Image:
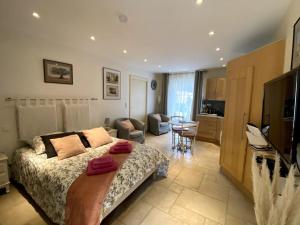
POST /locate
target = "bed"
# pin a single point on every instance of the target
(47, 180)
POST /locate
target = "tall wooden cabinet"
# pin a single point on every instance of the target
(245, 80)
(238, 99)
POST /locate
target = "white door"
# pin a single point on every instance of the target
(138, 98)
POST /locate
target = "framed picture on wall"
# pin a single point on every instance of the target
(296, 45)
(111, 84)
(57, 72)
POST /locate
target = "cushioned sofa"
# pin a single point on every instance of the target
(158, 124)
(137, 134)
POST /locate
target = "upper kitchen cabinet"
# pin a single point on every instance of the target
(215, 89)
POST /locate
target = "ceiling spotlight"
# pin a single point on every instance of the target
(211, 33)
(125, 51)
(123, 18)
(36, 15)
(221, 59)
(199, 2)
(93, 38)
(145, 60)
(218, 49)
(224, 65)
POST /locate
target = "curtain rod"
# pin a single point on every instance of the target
(10, 99)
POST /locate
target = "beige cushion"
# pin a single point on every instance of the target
(157, 116)
(68, 146)
(97, 137)
(128, 125)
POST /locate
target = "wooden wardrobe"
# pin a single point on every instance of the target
(245, 80)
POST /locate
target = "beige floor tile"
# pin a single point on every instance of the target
(202, 204)
(187, 216)
(240, 207)
(230, 220)
(157, 217)
(177, 188)
(161, 198)
(189, 178)
(211, 222)
(135, 214)
(36, 221)
(214, 190)
(117, 222)
(20, 214)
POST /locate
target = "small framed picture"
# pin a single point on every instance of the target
(111, 84)
(296, 46)
(57, 72)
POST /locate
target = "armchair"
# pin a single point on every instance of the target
(137, 135)
(158, 124)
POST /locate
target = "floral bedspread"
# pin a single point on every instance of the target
(48, 180)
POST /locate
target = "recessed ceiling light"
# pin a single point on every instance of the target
(123, 18)
(218, 49)
(159, 66)
(224, 65)
(125, 51)
(36, 15)
(199, 2)
(145, 60)
(221, 59)
(211, 33)
(93, 38)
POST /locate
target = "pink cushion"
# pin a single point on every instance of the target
(128, 125)
(157, 116)
(97, 137)
(68, 146)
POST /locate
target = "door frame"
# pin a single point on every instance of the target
(135, 77)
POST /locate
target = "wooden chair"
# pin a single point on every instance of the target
(175, 128)
(189, 135)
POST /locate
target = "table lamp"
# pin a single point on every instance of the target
(107, 123)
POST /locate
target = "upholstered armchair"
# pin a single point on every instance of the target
(158, 124)
(137, 133)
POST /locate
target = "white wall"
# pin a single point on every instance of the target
(286, 31)
(22, 75)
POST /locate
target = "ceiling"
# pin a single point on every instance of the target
(170, 33)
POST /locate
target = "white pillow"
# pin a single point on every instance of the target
(38, 145)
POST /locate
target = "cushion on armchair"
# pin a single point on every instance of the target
(136, 133)
(164, 124)
(128, 125)
(157, 117)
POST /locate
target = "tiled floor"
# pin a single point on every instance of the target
(195, 193)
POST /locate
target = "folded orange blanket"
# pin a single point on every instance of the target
(86, 195)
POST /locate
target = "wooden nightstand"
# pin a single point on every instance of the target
(4, 181)
(113, 132)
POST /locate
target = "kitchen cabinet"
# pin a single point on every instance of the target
(210, 127)
(215, 89)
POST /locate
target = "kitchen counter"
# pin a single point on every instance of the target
(210, 127)
(210, 115)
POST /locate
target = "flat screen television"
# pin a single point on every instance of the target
(281, 115)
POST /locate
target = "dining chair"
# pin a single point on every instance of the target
(189, 133)
(176, 126)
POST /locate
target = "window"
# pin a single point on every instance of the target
(180, 95)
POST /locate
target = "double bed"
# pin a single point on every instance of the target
(47, 180)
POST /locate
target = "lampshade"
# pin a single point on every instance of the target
(107, 121)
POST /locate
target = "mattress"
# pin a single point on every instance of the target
(47, 180)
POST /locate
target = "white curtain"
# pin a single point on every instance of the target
(180, 95)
